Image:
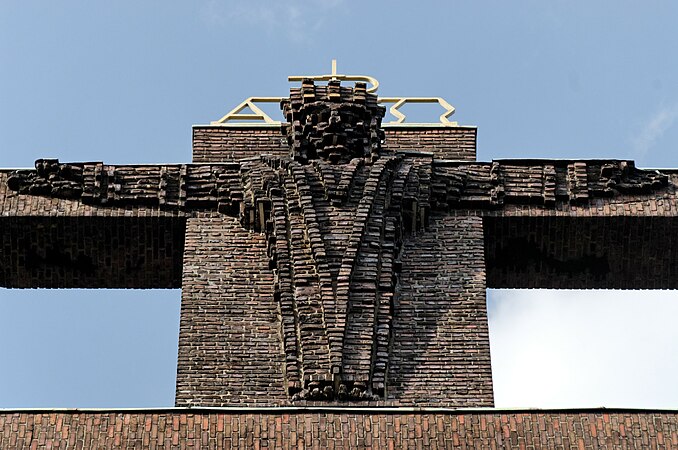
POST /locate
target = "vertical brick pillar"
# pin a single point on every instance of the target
(441, 348)
(229, 345)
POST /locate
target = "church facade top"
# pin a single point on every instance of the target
(330, 259)
(236, 116)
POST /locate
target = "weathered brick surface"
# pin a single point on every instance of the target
(622, 242)
(441, 350)
(547, 183)
(444, 142)
(59, 243)
(91, 252)
(13, 204)
(336, 429)
(662, 203)
(345, 220)
(582, 252)
(218, 144)
(229, 344)
(332, 122)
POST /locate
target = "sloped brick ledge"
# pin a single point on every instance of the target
(328, 428)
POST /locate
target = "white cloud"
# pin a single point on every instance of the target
(294, 19)
(584, 348)
(663, 119)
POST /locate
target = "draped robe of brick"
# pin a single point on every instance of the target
(334, 213)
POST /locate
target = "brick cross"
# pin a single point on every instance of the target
(338, 260)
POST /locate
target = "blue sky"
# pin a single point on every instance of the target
(123, 82)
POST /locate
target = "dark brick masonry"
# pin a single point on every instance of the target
(91, 252)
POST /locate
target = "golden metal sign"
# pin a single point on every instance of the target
(401, 118)
(259, 117)
(335, 76)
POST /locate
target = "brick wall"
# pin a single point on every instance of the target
(230, 350)
(57, 243)
(218, 144)
(336, 429)
(91, 252)
(441, 349)
(13, 204)
(663, 203)
(624, 242)
(582, 252)
(443, 142)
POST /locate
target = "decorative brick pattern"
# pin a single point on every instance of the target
(453, 184)
(491, 185)
(332, 123)
(180, 187)
(333, 215)
(330, 261)
(660, 203)
(336, 429)
(15, 204)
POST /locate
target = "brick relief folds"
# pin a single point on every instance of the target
(335, 213)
